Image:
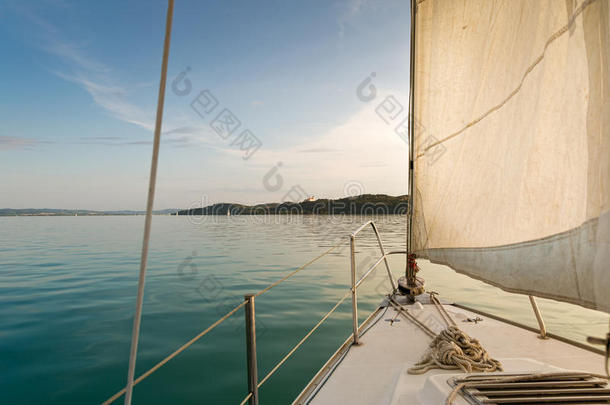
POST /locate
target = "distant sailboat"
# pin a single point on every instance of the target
(228, 213)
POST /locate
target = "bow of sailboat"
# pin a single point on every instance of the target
(377, 371)
(509, 171)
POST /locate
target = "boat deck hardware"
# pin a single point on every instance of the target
(556, 388)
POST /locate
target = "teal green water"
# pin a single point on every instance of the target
(67, 295)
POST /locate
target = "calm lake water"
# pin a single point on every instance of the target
(68, 286)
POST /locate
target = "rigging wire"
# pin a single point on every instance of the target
(149, 206)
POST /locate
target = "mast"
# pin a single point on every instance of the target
(410, 275)
(411, 285)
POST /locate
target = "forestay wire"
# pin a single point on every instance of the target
(149, 205)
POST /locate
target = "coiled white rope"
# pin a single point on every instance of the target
(452, 348)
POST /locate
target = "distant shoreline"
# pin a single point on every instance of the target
(52, 212)
(365, 204)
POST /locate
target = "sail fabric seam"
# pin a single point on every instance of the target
(555, 237)
(570, 300)
(577, 248)
(552, 39)
(573, 266)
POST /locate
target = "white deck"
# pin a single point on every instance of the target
(376, 371)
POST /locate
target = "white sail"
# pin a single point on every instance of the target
(512, 134)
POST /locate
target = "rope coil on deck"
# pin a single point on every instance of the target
(452, 348)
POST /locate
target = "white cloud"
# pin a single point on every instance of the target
(193, 135)
(13, 142)
(363, 149)
(74, 55)
(97, 80)
(351, 11)
(111, 98)
(92, 75)
(80, 68)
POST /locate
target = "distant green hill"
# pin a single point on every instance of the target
(365, 204)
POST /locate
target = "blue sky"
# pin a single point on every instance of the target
(78, 91)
